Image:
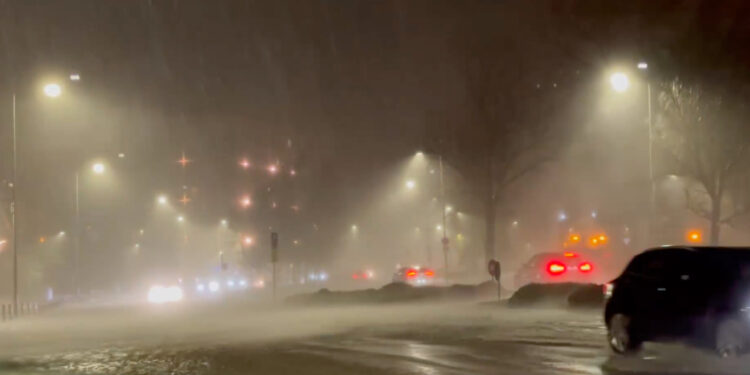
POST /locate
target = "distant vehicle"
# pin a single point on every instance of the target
(557, 268)
(363, 275)
(695, 294)
(414, 275)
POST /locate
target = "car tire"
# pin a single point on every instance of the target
(731, 338)
(620, 335)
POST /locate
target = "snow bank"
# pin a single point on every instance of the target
(558, 295)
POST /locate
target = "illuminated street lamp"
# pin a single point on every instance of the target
(245, 201)
(273, 169)
(248, 241)
(52, 90)
(244, 163)
(410, 184)
(619, 81)
(162, 200)
(98, 168)
(224, 222)
(180, 219)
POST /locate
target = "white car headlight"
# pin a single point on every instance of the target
(159, 294)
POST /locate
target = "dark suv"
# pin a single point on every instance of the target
(697, 294)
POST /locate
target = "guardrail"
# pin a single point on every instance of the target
(7, 312)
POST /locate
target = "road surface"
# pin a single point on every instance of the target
(464, 338)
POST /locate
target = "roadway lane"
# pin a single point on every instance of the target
(407, 339)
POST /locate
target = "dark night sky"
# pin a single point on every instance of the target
(353, 84)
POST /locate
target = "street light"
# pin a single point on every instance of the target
(52, 90)
(180, 219)
(410, 184)
(619, 81)
(445, 242)
(98, 168)
(162, 200)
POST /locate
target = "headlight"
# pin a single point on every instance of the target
(213, 286)
(200, 287)
(159, 294)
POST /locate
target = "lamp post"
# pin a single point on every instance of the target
(97, 168)
(444, 208)
(620, 83)
(51, 90)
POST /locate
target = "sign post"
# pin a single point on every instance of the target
(274, 259)
(493, 266)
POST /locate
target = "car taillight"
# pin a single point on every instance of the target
(411, 273)
(429, 273)
(556, 268)
(585, 267)
(355, 276)
(608, 289)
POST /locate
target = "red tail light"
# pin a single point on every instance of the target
(411, 273)
(355, 276)
(585, 267)
(429, 273)
(556, 268)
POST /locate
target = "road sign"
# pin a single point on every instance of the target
(493, 266)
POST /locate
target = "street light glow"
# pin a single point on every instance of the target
(245, 201)
(619, 82)
(162, 200)
(98, 168)
(75, 77)
(180, 219)
(247, 240)
(273, 169)
(62, 233)
(224, 222)
(52, 90)
(244, 163)
(419, 153)
(411, 184)
(642, 65)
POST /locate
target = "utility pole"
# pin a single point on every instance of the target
(445, 241)
(77, 241)
(13, 207)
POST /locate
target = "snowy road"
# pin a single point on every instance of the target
(409, 339)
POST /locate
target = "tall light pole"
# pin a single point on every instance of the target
(51, 90)
(445, 241)
(444, 210)
(97, 168)
(13, 212)
(620, 83)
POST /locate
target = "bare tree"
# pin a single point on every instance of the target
(705, 133)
